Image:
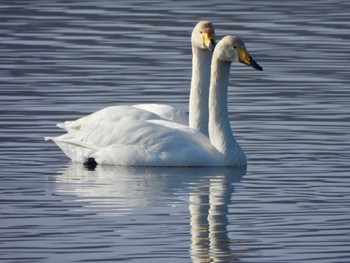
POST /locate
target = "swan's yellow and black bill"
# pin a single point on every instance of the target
(209, 41)
(245, 58)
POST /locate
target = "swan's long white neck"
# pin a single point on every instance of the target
(199, 95)
(220, 132)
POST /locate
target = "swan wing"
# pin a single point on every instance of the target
(166, 112)
(135, 112)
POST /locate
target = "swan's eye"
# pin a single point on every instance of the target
(234, 46)
(201, 32)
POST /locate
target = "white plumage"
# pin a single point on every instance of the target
(149, 140)
(202, 42)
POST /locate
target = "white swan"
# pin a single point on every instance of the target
(202, 46)
(163, 143)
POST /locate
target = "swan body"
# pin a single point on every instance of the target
(152, 141)
(139, 143)
(202, 41)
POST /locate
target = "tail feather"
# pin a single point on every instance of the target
(68, 125)
(77, 151)
(62, 125)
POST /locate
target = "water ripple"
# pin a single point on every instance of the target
(61, 60)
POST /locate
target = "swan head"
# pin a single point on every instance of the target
(232, 49)
(203, 36)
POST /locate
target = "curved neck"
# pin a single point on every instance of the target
(220, 132)
(199, 95)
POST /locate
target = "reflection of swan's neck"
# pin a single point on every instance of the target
(209, 208)
(199, 112)
(199, 207)
(220, 132)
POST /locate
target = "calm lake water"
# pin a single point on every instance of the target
(60, 60)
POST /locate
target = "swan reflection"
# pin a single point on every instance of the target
(117, 191)
(209, 209)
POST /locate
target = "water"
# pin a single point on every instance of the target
(61, 60)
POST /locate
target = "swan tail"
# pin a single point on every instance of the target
(68, 125)
(76, 150)
(62, 125)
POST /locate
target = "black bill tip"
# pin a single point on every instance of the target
(255, 65)
(212, 45)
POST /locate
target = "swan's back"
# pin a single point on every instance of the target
(166, 112)
(114, 114)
